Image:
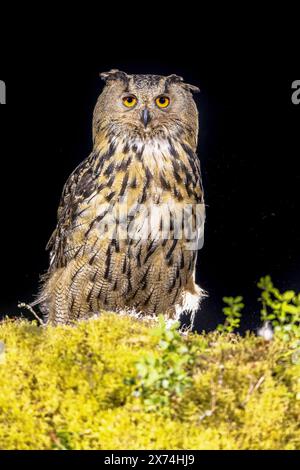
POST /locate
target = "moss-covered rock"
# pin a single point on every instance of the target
(77, 388)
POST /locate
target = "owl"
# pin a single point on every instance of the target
(131, 215)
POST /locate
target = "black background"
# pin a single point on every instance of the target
(249, 147)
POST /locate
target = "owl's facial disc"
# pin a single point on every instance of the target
(145, 107)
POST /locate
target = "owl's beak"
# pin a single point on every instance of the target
(145, 117)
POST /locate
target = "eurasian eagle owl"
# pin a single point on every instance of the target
(131, 216)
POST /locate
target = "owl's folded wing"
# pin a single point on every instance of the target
(80, 184)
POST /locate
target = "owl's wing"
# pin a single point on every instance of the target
(80, 184)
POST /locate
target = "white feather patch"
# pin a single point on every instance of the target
(190, 302)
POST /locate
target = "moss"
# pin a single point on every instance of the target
(73, 388)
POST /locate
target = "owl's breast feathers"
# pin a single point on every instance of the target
(113, 212)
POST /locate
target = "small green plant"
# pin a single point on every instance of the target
(282, 310)
(163, 376)
(233, 313)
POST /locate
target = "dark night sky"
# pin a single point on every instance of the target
(249, 147)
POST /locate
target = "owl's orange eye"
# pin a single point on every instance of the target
(129, 101)
(162, 101)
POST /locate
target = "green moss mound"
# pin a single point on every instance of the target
(91, 387)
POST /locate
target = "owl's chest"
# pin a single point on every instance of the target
(155, 170)
(142, 188)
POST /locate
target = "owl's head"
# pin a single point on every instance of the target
(146, 106)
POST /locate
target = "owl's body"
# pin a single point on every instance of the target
(128, 222)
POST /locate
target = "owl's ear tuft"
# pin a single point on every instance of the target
(171, 79)
(114, 74)
(191, 88)
(174, 78)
